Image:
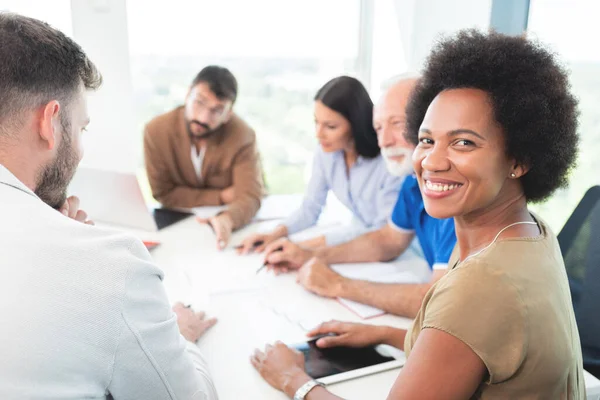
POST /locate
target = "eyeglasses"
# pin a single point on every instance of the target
(214, 113)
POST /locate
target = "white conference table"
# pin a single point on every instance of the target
(253, 310)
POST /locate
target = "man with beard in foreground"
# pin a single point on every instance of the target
(84, 311)
(203, 154)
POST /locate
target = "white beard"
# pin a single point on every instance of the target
(398, 168)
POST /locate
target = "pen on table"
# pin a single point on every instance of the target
(266, 262)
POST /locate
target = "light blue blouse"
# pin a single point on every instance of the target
(369, 191)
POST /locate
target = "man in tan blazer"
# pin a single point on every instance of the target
(203, 154)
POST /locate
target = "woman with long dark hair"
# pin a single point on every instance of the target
(348, 163)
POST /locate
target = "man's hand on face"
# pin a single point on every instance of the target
(71, 209)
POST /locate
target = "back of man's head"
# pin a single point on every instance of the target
(38, 64)
(220, 81)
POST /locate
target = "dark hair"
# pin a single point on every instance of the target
(530, 96)
(38, 64)
(220, 81)
(347, 96)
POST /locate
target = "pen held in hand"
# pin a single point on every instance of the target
(266, 262)
(264, 265)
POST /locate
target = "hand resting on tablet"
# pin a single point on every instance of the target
(283, 367)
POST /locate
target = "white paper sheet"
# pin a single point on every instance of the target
(374, 272)
(208, 211)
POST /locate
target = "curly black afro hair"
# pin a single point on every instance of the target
(530, 96)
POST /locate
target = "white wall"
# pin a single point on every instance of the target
(100, 27)
(56, 12)
(421, 22)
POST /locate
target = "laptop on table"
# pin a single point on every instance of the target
(115, 198)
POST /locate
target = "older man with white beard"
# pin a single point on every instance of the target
(409, 219)
(389, 120)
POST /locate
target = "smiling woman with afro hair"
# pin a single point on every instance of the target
(530, 98)
(495, 126)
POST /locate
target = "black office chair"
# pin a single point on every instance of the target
(580, 245)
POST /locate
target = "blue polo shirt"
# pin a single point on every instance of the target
(436, 236)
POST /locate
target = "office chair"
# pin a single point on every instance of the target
(580, 245)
